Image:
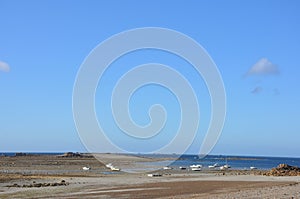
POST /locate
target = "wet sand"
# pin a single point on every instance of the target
(99, 182)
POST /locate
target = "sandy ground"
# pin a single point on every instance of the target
(101, 183)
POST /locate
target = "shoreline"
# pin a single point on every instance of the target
(174, 186)
(19, 175)
(230, 156)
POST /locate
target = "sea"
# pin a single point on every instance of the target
(236, 162)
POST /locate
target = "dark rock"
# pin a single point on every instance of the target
(62, 183)
(37, 185)
(20, 154)
(14, 185)
(284, 170)
(71, 154)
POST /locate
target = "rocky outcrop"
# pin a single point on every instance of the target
(20, 154)
(71, 154)
(284, 170)
(34, 184)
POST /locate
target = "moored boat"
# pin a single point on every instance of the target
(86, 168)
(213, 166)
(196, 169)
(196, 166)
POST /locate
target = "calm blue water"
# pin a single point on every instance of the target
(236, 162)
(242, 162)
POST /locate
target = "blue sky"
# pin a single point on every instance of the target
(255, 45)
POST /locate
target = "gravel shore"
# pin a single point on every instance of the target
(46, 176)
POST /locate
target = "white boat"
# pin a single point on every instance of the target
(182, 168)
(154, 175)
(225, 166)
(115, 169)
(213, 166)
(253, 168)
(167, 168)
(86, 168)
(196, 166)
(112, 168)
(109, 165)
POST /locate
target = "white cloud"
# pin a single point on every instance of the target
(263, 67)
(4, 66)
